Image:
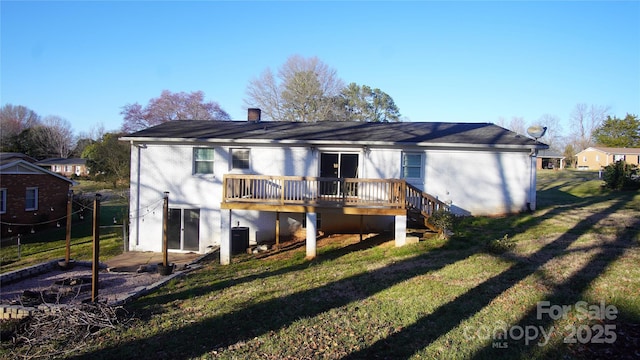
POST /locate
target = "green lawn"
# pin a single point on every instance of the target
(50, 244)
(436, 299)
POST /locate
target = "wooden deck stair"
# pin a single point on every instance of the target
(421, 206)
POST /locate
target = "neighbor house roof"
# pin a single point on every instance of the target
(334, 132)
(22, 167)
(614, 150)
(62, 161)
(6, 157)
(546, 153)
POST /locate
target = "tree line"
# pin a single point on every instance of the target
(589, 125)
(302, 89)
(26, 132)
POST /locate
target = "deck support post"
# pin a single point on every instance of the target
(401, 230)
(311, 235)
(277, 229)
(225, 237)
(361, 225)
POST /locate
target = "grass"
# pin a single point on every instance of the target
(438, 298)
(50, 244)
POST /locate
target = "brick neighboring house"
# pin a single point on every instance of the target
(597, 157)
(31, 197)
(67, 167)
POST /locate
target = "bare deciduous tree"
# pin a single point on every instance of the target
(14, 119)
(518, 125)
(264, 92)
(553, 136)
(56, 135)
(304, 90)
(584, 120)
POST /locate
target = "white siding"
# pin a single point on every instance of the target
(169, 167)
(479, 182)
(475, 182)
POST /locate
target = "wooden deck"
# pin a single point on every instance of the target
(312, 194)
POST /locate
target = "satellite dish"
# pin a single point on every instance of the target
(536, 131)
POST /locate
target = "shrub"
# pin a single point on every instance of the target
(621, 176)
(443, 219)
(502, 245)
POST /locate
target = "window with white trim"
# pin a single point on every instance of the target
(3, 201)
(411, 165)
(203, 160)
(31, 199)
(240, 158)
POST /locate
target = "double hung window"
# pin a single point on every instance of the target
(240, 158)
(3, 201)
(203, 161)
(31, 199)
(411, 165)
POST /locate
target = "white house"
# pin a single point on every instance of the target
(273, 178)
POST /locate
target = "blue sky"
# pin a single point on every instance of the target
(439, 61)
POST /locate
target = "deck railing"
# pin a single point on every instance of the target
(328, 192)
(419, 200)
(318, 191)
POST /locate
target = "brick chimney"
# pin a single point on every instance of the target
(253, 115)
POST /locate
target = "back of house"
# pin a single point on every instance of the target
(473, 168)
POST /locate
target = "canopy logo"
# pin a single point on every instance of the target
(502, 333)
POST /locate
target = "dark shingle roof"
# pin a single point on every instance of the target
(550, 154)
(327, 132)
(7, 157)
(62, 161)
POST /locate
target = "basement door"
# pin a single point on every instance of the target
(337, 165)
(183, 229)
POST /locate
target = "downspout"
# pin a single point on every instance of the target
(533, 155)
(137, 200)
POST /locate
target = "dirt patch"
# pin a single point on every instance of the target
(297, 243)
(74, 287)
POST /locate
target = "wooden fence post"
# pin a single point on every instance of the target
(95, 266)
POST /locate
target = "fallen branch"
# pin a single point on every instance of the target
(64, 330)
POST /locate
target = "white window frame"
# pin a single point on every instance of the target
(3, 201)
(403, 165)
(241, 151)
(35, 199)
(196, 161)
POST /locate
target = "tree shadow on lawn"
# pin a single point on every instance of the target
(419, 335)
(322, 258)
(569, 292)
(199, 338)
(254, 320)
